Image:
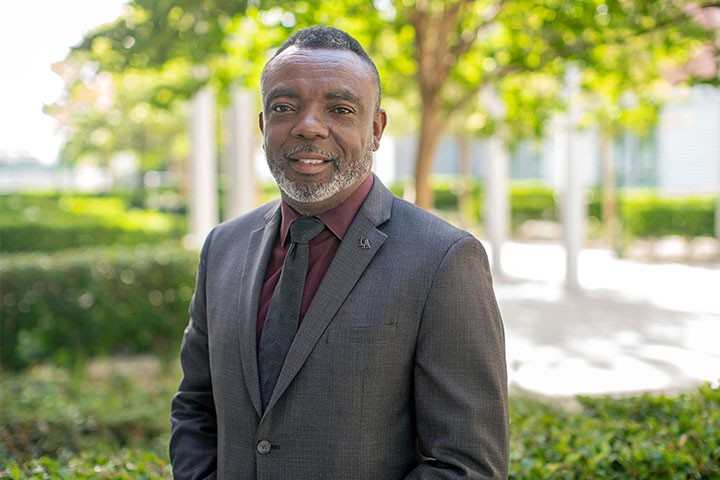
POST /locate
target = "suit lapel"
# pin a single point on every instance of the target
(360, 244)
(258, 253)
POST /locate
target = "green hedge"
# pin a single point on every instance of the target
(643, 213)
(63, 426)
(126, 464)
(50, 223)
(646, 214)
(106, 407)
(645, 437)
(532, 201)
(528, 200)
(73, 304)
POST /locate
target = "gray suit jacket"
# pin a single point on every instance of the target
(397, 370)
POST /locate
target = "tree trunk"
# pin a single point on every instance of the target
(438, 49)
(428, 139)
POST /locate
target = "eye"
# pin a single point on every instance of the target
(280, 108)
(342, 110)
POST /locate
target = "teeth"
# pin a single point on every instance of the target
(309, 161)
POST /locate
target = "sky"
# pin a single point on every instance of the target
(33, 35)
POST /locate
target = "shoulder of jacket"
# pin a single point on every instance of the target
(254, 218)
(413, 217)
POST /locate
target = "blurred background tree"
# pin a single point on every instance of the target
(133, 114)
(435, 58)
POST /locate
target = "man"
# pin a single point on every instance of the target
(394, 365)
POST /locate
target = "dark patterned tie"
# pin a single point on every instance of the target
(283, 315)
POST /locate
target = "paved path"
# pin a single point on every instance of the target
(634, 326)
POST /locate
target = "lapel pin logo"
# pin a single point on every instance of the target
(364, 243)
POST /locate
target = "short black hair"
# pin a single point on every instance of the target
(322, 37)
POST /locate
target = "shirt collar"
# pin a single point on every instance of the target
(337, 219)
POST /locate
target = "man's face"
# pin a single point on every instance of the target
(320, 124)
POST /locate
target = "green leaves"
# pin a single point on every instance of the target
(650, 215)
(72, 305)
(644, 437)
(158, 31)
(110, 420)
(49, 223)
(107, 420)
(435, 58)
(98, 279)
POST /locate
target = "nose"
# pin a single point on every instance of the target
(311, 123)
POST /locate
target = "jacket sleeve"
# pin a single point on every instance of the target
(193, 436)
(460, 372)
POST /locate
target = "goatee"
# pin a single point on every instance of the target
(343, 176)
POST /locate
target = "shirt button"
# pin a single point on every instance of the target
(263, 447)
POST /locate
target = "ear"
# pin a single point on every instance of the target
(379, 123)
(261, 123)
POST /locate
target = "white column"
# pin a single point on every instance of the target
(497, 204)
(573, 201)
(241, 192)
(203, 191)
(717, 203)
(497, 194)
(717, 213)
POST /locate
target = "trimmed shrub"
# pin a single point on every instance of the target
(646, 214)
(645, 437)
(70, 305)
(528, 200)
(54, 413)
(50, 223)
(532, 201)
(643, 213)
(113, 414)
(61, 426)
(127, 464)
(446, 191)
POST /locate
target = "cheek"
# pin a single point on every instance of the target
(355, 139)
(272, 137)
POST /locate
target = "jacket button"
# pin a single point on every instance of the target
(264, 447)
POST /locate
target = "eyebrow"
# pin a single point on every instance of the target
(342, 94)
(278, 93)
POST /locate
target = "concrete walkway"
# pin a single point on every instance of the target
(634, 327)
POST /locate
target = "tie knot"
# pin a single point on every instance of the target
(305, 229)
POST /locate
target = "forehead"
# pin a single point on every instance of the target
(318, 69)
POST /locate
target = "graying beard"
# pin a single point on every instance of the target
(318, 192)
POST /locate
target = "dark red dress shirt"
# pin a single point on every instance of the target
(321, 249)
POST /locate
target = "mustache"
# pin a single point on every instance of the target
(310, 149)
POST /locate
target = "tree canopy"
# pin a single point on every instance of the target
(436, 59)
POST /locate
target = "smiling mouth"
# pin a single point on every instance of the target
(309, 164)
(310, 155)
(309, 161)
